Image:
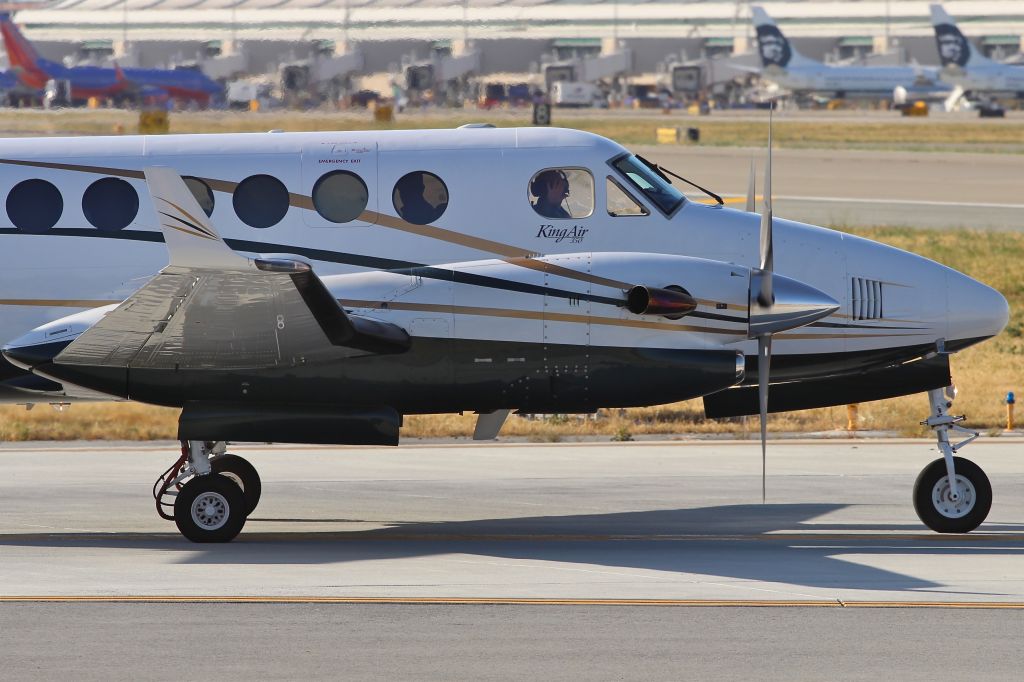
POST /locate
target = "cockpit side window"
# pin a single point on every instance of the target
(620, 202)
(562, 193)
(666, 197)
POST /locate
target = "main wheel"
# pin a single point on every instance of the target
(243, 474)
(210, 508)
(935, 506)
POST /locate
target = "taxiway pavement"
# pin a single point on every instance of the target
(853, 188)
(635, 521)
(630, 561)
(422, 642)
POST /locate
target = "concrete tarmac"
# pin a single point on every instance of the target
(846, 188)
(420, 642)
(675, 521)
(511, 561)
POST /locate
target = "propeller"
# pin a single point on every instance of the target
(765, 298)
(777, 303)
(751, 189)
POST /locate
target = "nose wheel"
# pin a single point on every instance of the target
(939, 509)
(208, 493)
(952, 494)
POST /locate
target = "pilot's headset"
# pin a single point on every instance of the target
(537, 186)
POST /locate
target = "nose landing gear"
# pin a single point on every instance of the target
(208, 493)
(952, 494)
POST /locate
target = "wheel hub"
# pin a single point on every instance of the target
(950, 506)
(210, 511)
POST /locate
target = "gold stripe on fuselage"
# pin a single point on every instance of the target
(534, 315)
(55, 302)
(513, 255)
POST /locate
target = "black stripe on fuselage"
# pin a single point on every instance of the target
(403, 267)
(369, 262)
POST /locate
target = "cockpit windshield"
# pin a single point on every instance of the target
(647, 180)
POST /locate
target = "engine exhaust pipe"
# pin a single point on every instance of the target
(672, 302)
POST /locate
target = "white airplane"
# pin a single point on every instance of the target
(784, 65)
(965, 66)
(320, 286)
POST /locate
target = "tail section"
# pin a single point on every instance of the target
(774, 47)
(22, 57)
(954, 48)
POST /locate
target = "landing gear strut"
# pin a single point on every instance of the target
(952, 494)
(207, 492)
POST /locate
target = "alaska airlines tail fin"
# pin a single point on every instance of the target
(775, 49)
(954, 48)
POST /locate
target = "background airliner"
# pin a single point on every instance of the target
(964, 65)
(784, 65)
(93, 81)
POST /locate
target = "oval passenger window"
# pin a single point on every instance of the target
(420, 197)
(202, 193)
(110, 204)
(340, 196)
(260, 201)
(34, 206)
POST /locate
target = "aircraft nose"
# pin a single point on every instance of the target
(976, 311)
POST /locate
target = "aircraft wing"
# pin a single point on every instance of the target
(213, 308)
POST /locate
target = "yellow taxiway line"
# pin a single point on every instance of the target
(506, 601)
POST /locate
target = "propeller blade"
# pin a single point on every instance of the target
(764, 358)
(765, 297)
(752, 188)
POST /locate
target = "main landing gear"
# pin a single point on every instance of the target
(952, 494)
(207, 492)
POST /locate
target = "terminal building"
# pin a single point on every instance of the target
(488, 38)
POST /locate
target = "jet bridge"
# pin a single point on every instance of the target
(444, 74)
(602, 67)
(322, 76)
(214, 61)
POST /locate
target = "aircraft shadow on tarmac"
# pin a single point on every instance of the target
(770, 543)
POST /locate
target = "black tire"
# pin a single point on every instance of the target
(243, 474)
(210, 509)
(941, 515)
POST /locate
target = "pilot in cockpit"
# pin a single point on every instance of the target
(551, 188)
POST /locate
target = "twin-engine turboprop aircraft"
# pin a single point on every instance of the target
(322, 285)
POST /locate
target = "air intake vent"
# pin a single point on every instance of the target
(865, 299)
